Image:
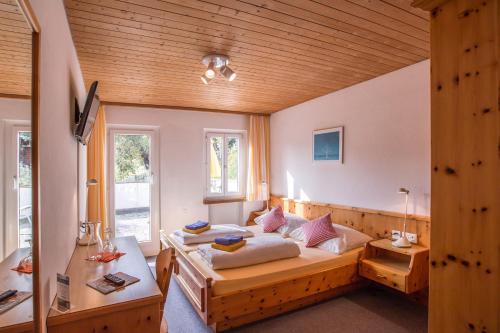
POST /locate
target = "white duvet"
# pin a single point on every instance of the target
(257, 250)
(208, 236)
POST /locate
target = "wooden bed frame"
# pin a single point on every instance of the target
(248, 305)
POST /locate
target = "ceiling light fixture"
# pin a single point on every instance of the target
(216, 62)
(205, 79)
(210, 72)
(228, 73)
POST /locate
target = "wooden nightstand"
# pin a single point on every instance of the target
(404, 269)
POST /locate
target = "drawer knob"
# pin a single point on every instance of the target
(380, 276)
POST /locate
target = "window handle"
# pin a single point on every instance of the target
(15, 183)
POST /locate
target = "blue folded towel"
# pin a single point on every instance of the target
(228, 240)
(197, 225)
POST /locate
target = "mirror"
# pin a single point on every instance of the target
(18, 151)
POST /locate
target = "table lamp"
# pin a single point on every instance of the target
(403, 241)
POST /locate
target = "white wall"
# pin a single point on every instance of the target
(60, 81)
(386, 144)
(17, 110)
(181, 162)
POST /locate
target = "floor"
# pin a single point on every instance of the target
(134, 223)
(370, 310)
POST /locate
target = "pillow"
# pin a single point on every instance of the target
(273, 220)
(258, 219)
(348, 239)
(318, 231)
(293, 222)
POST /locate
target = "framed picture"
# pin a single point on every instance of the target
(328, 145)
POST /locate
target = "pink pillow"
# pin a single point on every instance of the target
(318, 231)
(274, 219)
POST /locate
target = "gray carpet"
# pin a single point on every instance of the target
(368, 310)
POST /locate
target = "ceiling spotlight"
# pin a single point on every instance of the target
(210, 72)
(217, 62)
(228, 73)
(205, 79)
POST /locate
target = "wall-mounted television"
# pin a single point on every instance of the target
(86, 119)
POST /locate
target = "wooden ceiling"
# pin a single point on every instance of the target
(15, 51)
(284, 52)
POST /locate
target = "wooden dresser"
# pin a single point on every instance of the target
(134, 309)
(20, 318)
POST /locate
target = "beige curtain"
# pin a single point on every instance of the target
(258, 158)
(96, 204)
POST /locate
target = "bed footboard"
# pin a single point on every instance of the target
(248, 305)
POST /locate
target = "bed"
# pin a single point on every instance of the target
(229, 298)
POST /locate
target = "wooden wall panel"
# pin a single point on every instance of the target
(284, 52)
(375, 223)
(465, 193)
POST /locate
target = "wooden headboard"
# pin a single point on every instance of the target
(375, 223)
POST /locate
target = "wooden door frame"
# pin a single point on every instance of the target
(30, 16)
(155, 221)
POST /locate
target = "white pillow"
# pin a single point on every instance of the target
(293, 222)
(348, 239)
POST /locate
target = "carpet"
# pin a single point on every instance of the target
(369, 310)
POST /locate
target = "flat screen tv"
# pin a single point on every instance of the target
(86, 118)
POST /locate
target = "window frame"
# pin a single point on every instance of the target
(225, 196)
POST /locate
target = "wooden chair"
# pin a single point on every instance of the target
(164, 267)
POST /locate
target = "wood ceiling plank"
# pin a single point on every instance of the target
(166, 58)
(356, 17)
(293, 33)
(284, 52)
(167, 75)
(214, 37)
(164, 64)
(386, 9)
(207, 23)
(174, 85)
(9, 8)
(329, 27)
(230, 102)
(11, 16)
(15, 51)
(406, 6)
(99, 54)
(7, 27)
(258, 54)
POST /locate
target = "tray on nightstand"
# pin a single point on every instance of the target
(404, 269)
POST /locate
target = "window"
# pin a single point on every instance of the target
(225, 161)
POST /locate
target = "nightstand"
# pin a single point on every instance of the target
(404, 269)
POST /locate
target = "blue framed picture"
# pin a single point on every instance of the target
(328, 145)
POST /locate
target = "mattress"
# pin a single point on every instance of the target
(310, 261)
(256, 229)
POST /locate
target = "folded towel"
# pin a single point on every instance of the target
(197, 225)
(257, 250)
(196, 231)
(228, 240)
(217, 230)
(229, 248)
